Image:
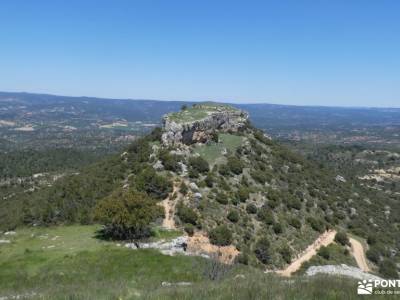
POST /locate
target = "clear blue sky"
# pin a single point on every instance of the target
(329, 52)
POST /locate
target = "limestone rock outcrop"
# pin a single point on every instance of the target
(216, 118)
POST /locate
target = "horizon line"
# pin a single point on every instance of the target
(233, 102)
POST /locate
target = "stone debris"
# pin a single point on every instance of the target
(339, 178)
(193, 186)
(5, 241)
(10, 233)
(341, 270)
(181, 283)
(171, 247)
(22, 296)
(158, 166)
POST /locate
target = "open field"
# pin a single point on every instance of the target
(70, 262)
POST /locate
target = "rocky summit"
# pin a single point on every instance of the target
(199, 123)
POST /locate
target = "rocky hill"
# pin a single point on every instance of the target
(228, 186)
(199, 123)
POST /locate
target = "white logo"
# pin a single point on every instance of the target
(364, 287)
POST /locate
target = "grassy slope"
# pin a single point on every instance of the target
(82, 267)
(212, 152)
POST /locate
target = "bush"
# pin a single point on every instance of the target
(189, 229)
(220, 236)
(243, 194)
(235, 165)
(233, 216)
(316, 224)
(170, 162)
(262, 250)
(222, 198)
(223, 170)
(373, 254)
(388, 269)
(199, 164)
(324, 252)
(286, 254)
(242, 258)
(265, 215)
(251, 208)
(209, 180)
(371, 240)
(293, 203)
(153, 184)
(186, 214)
(341, 238)
(295, 223)
(127, 216)
(183, 188)
(260, 176)
(277, 228)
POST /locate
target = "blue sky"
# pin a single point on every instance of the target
(342, 53)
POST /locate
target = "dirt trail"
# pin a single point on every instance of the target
(323, 240)
(169, 208)
(357, 250)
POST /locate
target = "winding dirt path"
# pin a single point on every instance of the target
(323, 240)
(169, 208)
(357, 250)
(328, 237)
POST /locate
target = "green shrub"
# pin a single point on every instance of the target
(388, 269)
(324, 252)
(153, 184)
(235, 165)
(293, 203)
(265, 215)
(209, 180)
(183, 188)
(127, 215)
(169, 161)
(295, 222)
(220, 236)
(341, 238)
(373, 254)
(223, 170)
(199, 164)
(222, 198)
(316, 224)
(262, 250)
(189, 229)
(233, 216)
(372, 239)
(186, 214)
(277, 228)
(286, 253)
(242, 258)
(251, 208)
(243, 194)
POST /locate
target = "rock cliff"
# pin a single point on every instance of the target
(199, 123)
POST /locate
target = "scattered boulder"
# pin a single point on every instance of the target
(158, 166)
(193, 186)
(340, 178)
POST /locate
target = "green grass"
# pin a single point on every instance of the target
(163, 234)
(197, 112)
(83, 267)
(212, 152)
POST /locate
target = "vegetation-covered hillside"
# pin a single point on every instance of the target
(240, 188)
